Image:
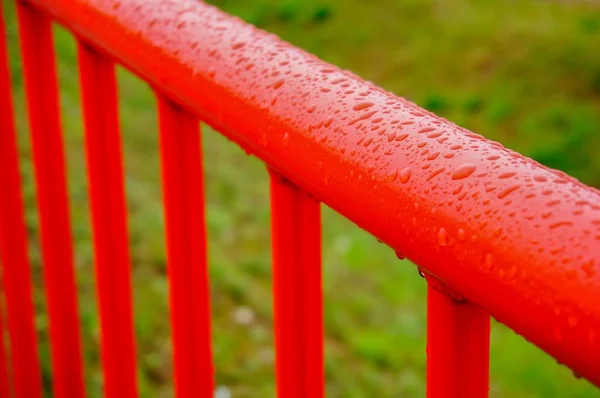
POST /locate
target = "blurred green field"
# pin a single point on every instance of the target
(525, 73)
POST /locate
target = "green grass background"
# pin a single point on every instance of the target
(525, 73)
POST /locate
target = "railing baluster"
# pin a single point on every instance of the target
(16, 271)
(113, 266)
(4, 379)
(189, 294)
(49, 160)
(297, 288)
(457, 347)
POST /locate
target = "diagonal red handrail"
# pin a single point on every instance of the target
(518, 239)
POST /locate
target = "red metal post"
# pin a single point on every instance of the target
(107, 196)
(16, 272)
(49, 160)
(4, 378)
(189, 294)
(297, 290)
(457, 346)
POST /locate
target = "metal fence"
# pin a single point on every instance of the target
(495, 233)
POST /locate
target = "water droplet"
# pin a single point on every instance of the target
(392, 175)
(400, 255)
(508, 174)
(238, 45)
(463, 171)
(461, 234)
(435, 134)
(405, 175)
(401, 137)
(560, 224)
(362, 117)
(362, 105)
(507, 191)
(278, 84)
(540, 178)
(435, 173)
(442, 237)
(426, 130)
(433, 156)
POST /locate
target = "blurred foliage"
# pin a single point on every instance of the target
(524, 73)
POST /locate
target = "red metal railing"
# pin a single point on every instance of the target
(494, 232)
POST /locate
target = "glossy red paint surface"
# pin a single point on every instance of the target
(518, 239)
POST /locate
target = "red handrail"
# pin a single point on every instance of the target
(520, 241)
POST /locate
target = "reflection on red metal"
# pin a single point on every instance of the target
(519, 241)
(297, 291)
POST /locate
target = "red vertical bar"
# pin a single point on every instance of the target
(4, 379)
(458, 337)
(297, 288)
(16, 272)
(49, 161)
(107, 195)
(183, 194)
